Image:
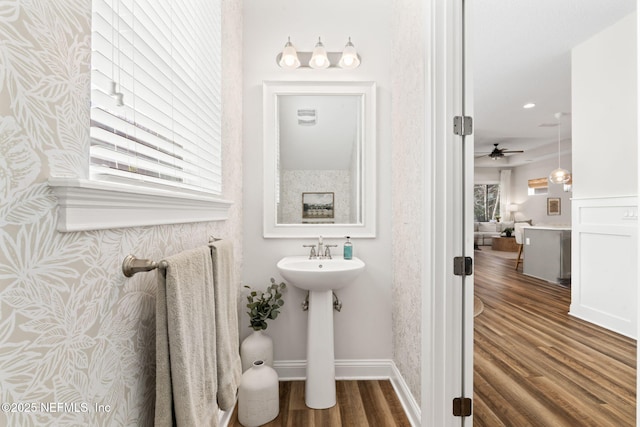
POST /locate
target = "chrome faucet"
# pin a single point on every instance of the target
(320, 248)
(323, 251)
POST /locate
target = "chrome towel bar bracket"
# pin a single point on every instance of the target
(132, 265)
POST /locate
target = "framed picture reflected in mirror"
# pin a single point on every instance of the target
(317, 205)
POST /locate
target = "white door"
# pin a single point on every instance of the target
(447, 346)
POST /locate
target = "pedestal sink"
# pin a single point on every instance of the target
(320, 277)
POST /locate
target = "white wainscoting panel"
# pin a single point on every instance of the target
(604, 262)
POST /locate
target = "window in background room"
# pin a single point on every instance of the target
(155, 94)
(537, 186)
(486, 201)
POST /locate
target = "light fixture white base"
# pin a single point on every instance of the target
(320, 387)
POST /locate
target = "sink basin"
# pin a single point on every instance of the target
(320, 274)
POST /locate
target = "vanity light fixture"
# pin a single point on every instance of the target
(528, 105)
(289, 57)
(318, 59)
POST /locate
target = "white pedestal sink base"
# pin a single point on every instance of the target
(320, 277)
(320, 387)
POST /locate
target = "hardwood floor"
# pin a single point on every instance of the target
(360, 404)
(534, 365)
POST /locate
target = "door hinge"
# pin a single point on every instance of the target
(462, 407)
(463, 266)
(462, 125)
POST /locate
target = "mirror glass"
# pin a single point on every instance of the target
(319, 159)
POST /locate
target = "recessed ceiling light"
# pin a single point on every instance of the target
(529, 105)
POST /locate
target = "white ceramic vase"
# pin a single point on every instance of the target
(257, 346)
(258, 395)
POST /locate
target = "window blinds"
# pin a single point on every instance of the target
(163, 57)
(538, 183)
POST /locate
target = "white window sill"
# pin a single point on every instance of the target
(95, 205)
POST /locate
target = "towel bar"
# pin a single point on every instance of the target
(132, 265)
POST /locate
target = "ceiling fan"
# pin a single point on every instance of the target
(499, 153)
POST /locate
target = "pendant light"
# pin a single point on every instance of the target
(319, 58)
(559, 175)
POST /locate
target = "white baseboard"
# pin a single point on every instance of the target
(605, 320)
(362, 369)
(411, 407)
(224, 417)
(292, 370)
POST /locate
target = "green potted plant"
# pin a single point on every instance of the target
(508, 231)
(262, 306)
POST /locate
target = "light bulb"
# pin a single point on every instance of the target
(559, 176)
(349, 59)
(289, 60)
(289, 57)
(319, 61)
(319, 57)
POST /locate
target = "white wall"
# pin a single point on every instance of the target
(604, 104)
(486, 175)
(363, 328)
(605, 140)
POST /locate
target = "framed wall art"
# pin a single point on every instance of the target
(317, 205)
(553, 205)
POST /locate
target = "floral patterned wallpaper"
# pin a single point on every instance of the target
(77, 339)
(408, 94)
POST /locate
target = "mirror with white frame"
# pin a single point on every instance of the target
(319, 159)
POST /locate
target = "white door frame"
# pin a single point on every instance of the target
(638, 121)
(447, 368)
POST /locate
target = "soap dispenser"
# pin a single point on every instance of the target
(348, 249)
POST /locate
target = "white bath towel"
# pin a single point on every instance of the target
(227, 336)
(186, 373)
